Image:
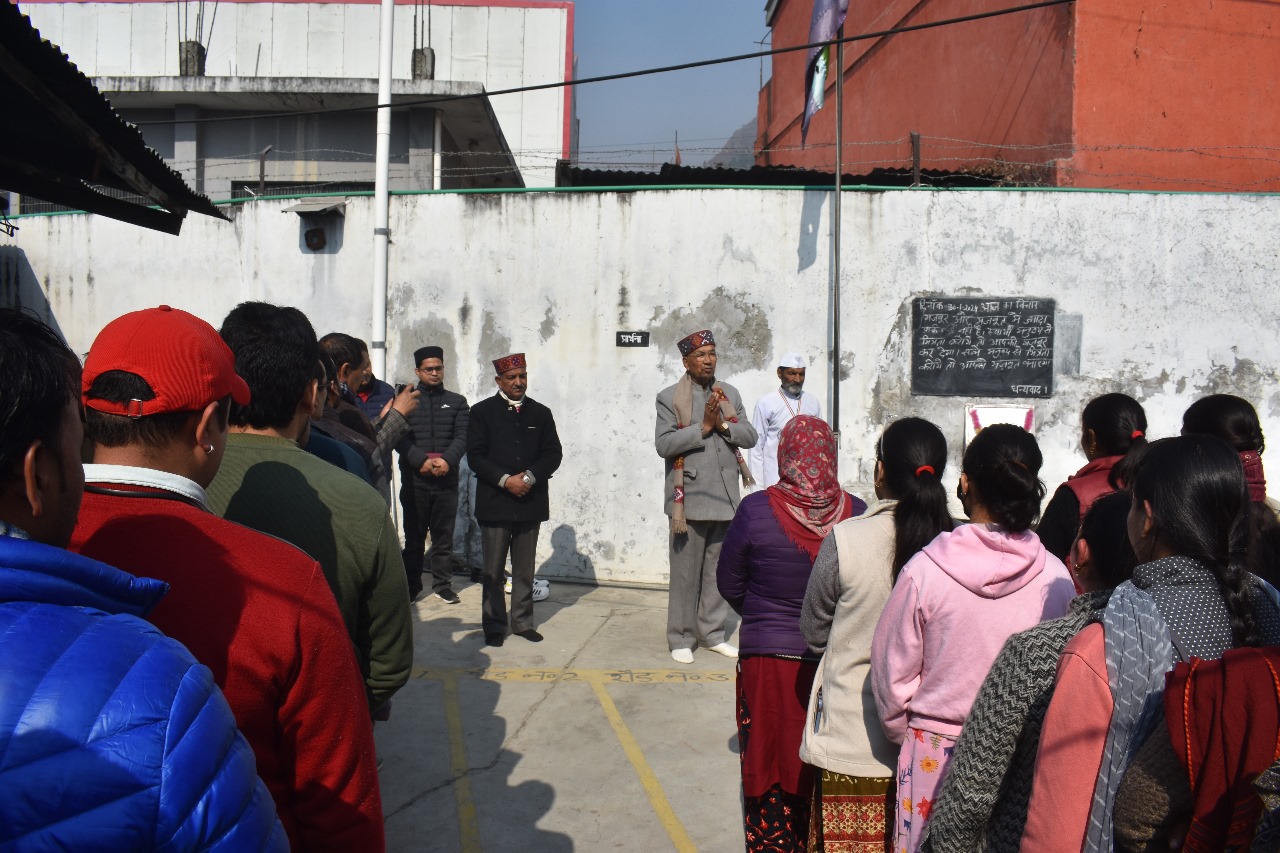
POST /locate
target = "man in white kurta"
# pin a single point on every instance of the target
(772, 413)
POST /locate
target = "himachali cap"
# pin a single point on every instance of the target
(508, 362)
(182, 358)
(423, 353)
(697, 339)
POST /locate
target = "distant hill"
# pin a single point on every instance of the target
(739, 151)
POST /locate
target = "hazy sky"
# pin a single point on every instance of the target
(630, 120)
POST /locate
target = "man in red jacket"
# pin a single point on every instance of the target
(157, 388)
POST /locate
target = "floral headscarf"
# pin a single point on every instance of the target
(807, 499)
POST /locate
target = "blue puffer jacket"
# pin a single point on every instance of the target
(112, 737)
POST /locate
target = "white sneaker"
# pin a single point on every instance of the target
(724, 649)
(682, 655)
(507, 586)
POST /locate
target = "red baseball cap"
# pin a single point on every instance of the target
(182, 358)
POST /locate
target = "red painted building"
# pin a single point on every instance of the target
(1134, 94)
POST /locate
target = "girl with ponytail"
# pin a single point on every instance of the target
(1113, 430)
(851, 580)
(1190, 596)
(1235, 421)
(951, 610)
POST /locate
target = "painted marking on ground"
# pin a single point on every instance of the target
(468, 826)
(607, 676)
(652, 787)
(599, 679)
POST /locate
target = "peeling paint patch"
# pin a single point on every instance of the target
(744, 339)
(730, 251)
(432, 330)
(548, 325)
(493, 343)
(624, 306)
(464, 315)
(1245, 378)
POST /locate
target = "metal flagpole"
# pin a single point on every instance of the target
(381, 196)
(835, 247)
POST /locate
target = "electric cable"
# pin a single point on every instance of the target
(622, 75)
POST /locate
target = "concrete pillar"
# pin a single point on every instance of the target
(186, 146)
(422, 145)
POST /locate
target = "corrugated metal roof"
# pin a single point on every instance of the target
(670, 174)
(319, 205)
(62, 137)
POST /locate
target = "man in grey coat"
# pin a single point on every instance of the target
(701, 434)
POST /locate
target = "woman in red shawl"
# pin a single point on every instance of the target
(764, 569)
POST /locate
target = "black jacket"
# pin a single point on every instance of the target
(438, 425)
(502, 441)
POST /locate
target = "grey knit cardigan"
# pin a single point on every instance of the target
(982, 805)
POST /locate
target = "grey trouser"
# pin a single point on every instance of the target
(497, 538)
(466, 530)
(695, 610)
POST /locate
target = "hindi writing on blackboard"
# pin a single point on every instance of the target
(982, 347)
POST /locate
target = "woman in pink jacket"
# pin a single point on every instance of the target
(951, 610)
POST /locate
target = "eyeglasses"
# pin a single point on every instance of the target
(431, 370)
(704, 356)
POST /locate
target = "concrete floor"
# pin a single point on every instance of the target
(593, 739)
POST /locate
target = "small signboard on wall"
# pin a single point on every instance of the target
(982, 347)
(632, 339)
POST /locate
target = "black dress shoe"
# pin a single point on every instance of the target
(493, 639)
(530, 635)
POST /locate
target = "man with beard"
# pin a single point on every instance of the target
(700, 436)
(773, 413)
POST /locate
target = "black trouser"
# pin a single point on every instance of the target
(520, 538)
(428, 509)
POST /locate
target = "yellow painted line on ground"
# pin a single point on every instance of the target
(468, 826)
(648, 780)
(599, 679)
(586, 676)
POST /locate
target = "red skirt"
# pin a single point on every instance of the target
(777, 787)
(773, 705)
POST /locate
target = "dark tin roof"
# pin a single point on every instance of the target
(62, 136)
(765, 176)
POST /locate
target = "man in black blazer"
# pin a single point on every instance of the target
(513, 448)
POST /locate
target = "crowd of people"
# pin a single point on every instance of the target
(204, 602)
(1102, 676)
(205, 605)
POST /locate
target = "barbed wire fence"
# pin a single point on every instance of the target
(328, 170)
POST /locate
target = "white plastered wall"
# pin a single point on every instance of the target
(1165, 297)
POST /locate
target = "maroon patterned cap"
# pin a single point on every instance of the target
(508, 362)
(697, 339)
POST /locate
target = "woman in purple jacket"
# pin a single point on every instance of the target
(764, 568)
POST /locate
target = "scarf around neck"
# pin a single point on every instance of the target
(807, 500)
(683, 406)
(514, 404)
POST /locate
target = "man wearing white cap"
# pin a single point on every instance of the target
(772, 413)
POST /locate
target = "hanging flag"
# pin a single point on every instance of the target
(828, 18)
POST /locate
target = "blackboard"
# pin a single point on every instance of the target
(982, 346)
